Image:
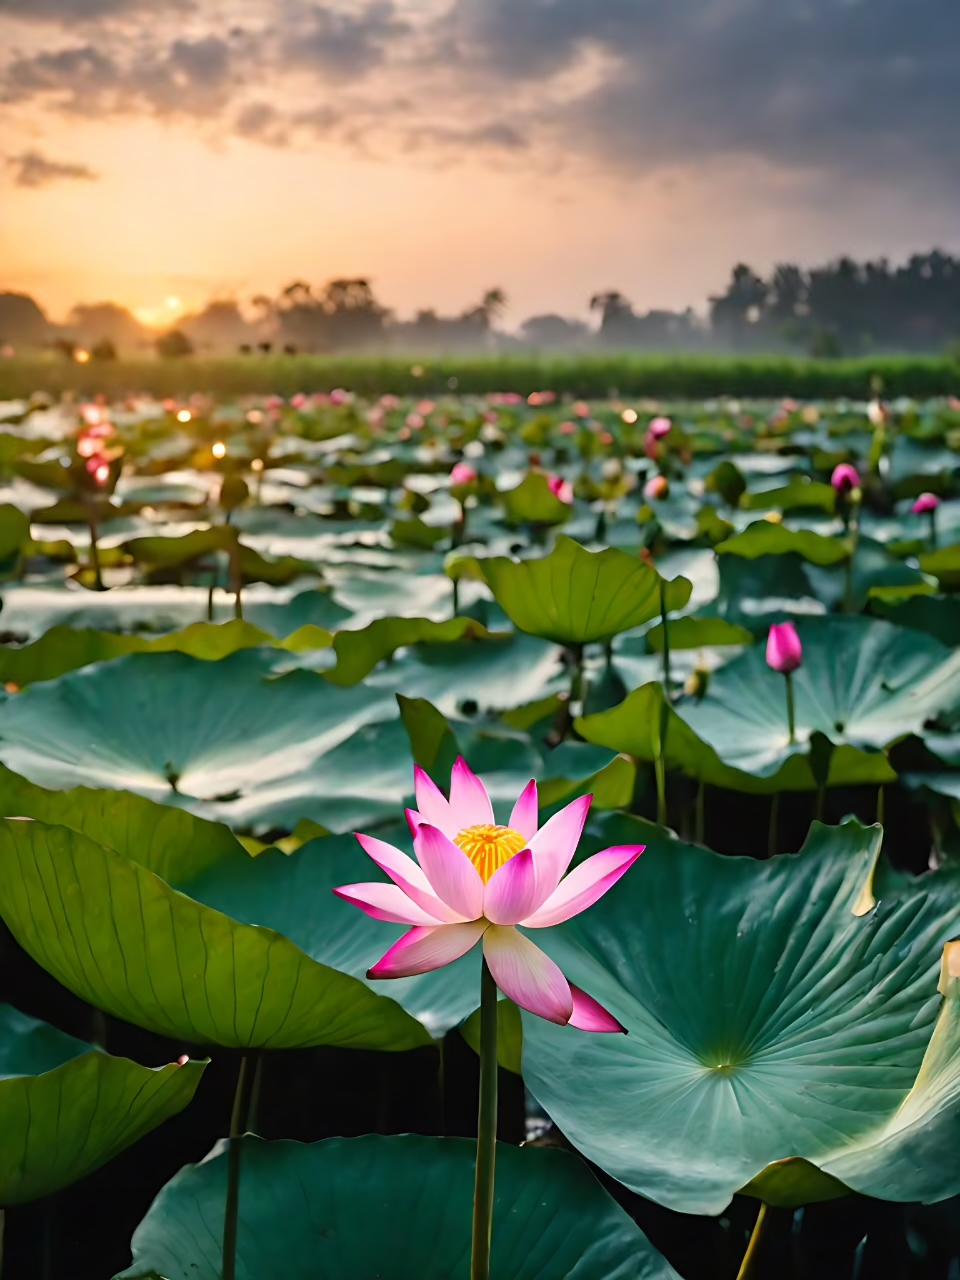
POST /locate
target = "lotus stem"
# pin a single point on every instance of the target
(486, 1131)
(821, 801)
(94, 548)
(666, 639)
(700, 813)
(933, 528)
(231, 1212)
(254, 1107)
(660, 770)
(791, 719)
(880, 804)
(576, 680)
(774, 823)
(236, 574)
(455, 583)
(854, 534)
(750, 1257)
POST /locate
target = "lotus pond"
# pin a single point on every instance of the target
(238, 1042)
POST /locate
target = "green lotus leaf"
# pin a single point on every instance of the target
(575, 596)
(277, 572)
(764, 538)
(66, 1108)
(432, 743)
(944, 565)
(14, 533)
(157, 553)
(939, 616)
(634, 728)
(413, 532)
(799, 493)
(696, 633)
(308, 1212)
(533, 502)
(863, 684)
(170, 842)
(358, 652)
(122, 939)
(223, 739)
(63, 649)
(293, 895)
(776, 1012)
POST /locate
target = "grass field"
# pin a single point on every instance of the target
(591, 376)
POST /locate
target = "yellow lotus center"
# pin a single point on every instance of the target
(488, 847)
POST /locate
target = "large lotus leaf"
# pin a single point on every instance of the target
(293, 894)
(575, 596)
(122, 939)
(939, 616)
(63, 649)
(799, 493)
(158, 553)
(873, 570)
(171, 842)
(784, 1033)
(945, 565)
(66, 1108)
(863, 684)
(14, 532)
(394, 1208)
(221, 738)
(358, 652)
(764, 538)
(467, 675)
(533, 502)
(695, 633)
(634, 728)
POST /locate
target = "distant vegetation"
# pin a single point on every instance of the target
(844, 308)
(591, 376)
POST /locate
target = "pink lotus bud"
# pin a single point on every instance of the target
(659, 427)
(926, 502)
(581, 409)
(784, 651)
(561, 488)
(426, 407)
(462, 473)
(299, 400)
(414, 421)
(389, 403)
(656, 487)
(567, 428)
(339, 396)
(845, 477)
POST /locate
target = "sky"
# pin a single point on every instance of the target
(163, 152)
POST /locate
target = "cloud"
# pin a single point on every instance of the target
(858, 91)
(67, 12)
(839, 84)
(344, 45)
(31, 169)
(190, 77)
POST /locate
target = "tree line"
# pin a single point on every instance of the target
(842, 308)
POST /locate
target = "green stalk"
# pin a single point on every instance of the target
(486, 1131)
(94, 549)
(848, 567)
(791, 722)
(456, 596)
(750, 1257)
(666, 640)
(933, 528)
(701, 815)
(231, 1212)
(659, 768)
(880, 804)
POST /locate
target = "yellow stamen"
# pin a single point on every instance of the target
(488, 847)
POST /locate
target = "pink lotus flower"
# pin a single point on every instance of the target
(462, 473)
(98, 466)
(926, 502)
(656, 487)
(659, 427)
(845, 477)
(561, 489)
(784, 650)
(476, 880)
